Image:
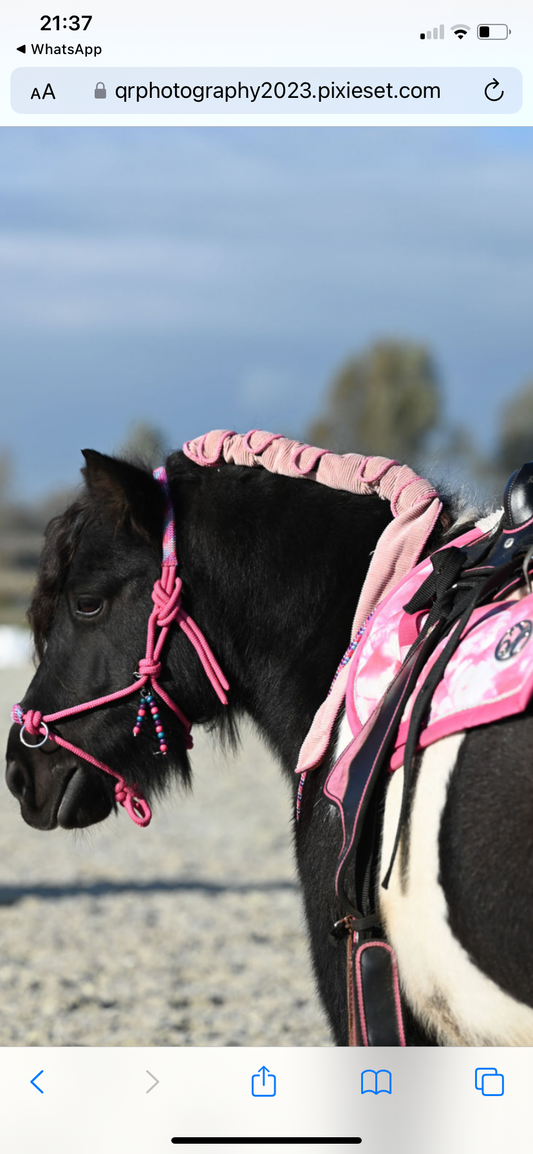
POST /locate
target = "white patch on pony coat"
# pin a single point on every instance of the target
(490, 521)
(446, 990)
(344, 737)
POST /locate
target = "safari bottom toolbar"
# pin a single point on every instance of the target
(154, 1099)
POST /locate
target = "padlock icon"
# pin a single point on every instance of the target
(100, 92)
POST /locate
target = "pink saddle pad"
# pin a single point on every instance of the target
(490, 675)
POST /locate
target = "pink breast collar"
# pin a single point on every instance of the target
(490, 675)
(166, 596)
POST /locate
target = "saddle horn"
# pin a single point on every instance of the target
(518, 498)
(514, 534)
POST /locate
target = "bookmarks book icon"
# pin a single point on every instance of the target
(376, 1082)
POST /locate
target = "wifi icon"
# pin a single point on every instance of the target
(460, 30)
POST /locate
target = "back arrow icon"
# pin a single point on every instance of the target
(156, 1082)
(34, 1082)
(493, 84)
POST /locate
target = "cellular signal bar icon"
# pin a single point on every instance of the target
(437, 34)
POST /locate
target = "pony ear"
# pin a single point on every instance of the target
(126, 494)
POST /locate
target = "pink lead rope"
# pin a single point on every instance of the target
(166, 596)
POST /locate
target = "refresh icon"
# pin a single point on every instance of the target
(493, 84)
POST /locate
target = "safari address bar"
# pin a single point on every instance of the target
(284, 91)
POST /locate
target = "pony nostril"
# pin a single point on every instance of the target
(17, 780)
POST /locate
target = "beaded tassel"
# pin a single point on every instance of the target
(147, 699)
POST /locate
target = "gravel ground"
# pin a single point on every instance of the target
(188, 933)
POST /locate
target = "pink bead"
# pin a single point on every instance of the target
(163, 748)
(159, 728)
(136, 730)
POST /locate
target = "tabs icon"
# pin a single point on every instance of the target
(489, 1082)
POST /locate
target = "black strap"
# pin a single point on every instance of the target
(451, 592)
(376, 750)
(467, 596)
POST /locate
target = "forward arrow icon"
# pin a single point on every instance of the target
(155, 1081)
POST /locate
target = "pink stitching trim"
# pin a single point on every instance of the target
(394, 502)
(318, 453)
(509, 532)
(352, 1024)
(269, 439)
(377, 477)
(200, 456)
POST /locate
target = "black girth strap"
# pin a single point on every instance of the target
(376, 751)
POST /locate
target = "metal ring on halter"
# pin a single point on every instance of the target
(34, 744)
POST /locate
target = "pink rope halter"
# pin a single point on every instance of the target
(166, 596)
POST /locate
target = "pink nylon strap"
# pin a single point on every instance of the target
(415, 507)
(166, 596)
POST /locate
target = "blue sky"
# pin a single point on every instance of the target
(205, 278)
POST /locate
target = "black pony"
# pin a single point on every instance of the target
(272, 569)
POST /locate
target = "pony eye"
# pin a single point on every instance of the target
(88, 606)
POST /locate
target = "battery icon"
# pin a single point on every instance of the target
(493, 31)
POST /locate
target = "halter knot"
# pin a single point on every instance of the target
(149, 667)
(33, 721)
(137, 808)
(167, 604)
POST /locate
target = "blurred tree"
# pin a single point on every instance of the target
(5, 476)
(516, 432)
(385, 401)
(145, 443)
